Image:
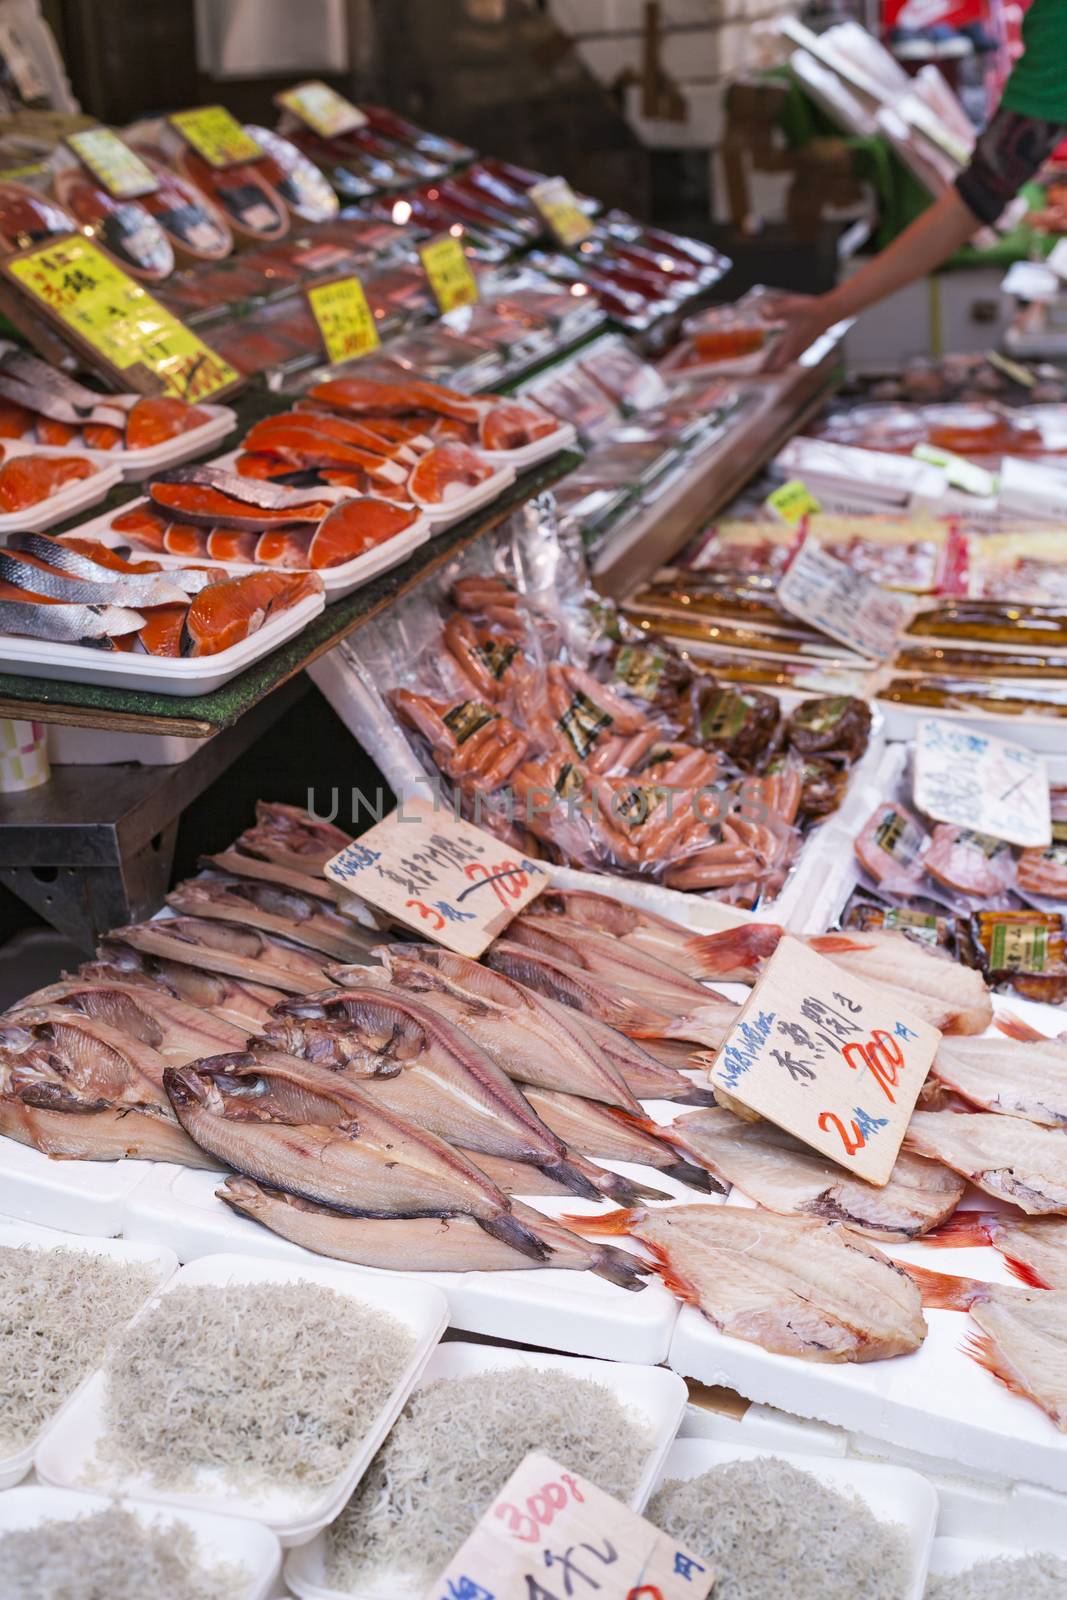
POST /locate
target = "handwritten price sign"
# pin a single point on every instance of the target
(346, 322)
(321, 109)
(450, 881)
(113, 317)
(843, 603)
(829, 1058)
(110, 159)
(214, 133)
(552, 1535)
(558, 205)
(449, 272)
(982, 783)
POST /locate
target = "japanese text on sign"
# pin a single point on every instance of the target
(346, 322)
(215, 134)
(117, 318)
(982, 783)
(832, 1060)
(321, 109)
(449, 272)
(843, 603)
(557, 203)
(110, 159)
(552, 1535)
(792, 502)
(454, 883)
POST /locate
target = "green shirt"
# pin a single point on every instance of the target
(1038, 85)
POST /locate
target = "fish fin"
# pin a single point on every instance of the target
(510, 1231)
(1016, 1028)
(980, 1348)
(626, 1272)
(734, 949)
(1025, 1273)
(615, 1222)
(963, 1228)
(671, 1278)
(695, 1097)
(695, 1177)
(627, 1192)
(571, 1176)
(941, 1291)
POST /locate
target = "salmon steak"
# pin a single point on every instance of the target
(27, 480)
(447, 472)
(156, 418)
(511, 425)
(353, 527)
(367, 394)
(208, 506)
(225, 613)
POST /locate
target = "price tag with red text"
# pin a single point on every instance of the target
(552, 1535)
(450, 881)
(829, 1058)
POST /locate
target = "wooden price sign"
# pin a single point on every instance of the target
(110, 160)
(346, 322)
(321, 109)
(831, 1059)
(979, 782)
(446, 266)
(214, 133)
(792, 502)
(552, 1535)
(843, 603)
(116, 322)
(450, 881)
(558, 204)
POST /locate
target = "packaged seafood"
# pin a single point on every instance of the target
(28, 218)
(963, 376)
(126, 228)
(196, 230)
(289, 173)
(252, 207)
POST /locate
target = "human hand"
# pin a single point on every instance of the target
(805, 317)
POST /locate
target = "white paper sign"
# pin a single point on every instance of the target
(982, 783)
(843, 603)
(833, 1060)
(1032, 490)
(552, 1535)
(450, 881)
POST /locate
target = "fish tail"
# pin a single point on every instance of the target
(942, 1292)
(571, 1176)
(964, 1228)
(732, 950)
(694, 1096)
(506, 1227)
(1025, 1273)
(1016, 1028)
(615, 1222)
(670, 1277)
(627, 1191)
(694, 1177)
(626, 1272)
(980, 1348)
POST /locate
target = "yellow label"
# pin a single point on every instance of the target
(448, 270)
(117, 317)
(793, 502)
(321, 109)
(215, 134)
(345, 320)
(111, 161)
(557, 203)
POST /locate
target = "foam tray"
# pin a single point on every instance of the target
(71, 499)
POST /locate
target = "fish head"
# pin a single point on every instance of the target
(191, 1089)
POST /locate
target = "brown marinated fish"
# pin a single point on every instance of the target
(1007, 1157)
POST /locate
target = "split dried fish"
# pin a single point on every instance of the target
(1014, 1078)
(305, 919)
(1007, 1157)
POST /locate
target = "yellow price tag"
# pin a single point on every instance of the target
(446, 266)
(557, 203)
(793, 502)
(106, 309)
(321, 109)
(345, 320)
(215, 134)
(110, 159)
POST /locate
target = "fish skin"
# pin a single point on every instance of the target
(99, 1133)
(1007, 1076)
(790, 1284)
(292, 838)
(422, 1244)
(783, 1175)
(363, 1160)
(116, 589)
(306, 919)
(894, 961)
(447, 1083)
(604, 1134)
(252, 491)
(243, 1004)
(1007, 1157)
(68, 624)
(553, 1052)
(645, 1075)
(220, 947)
(178, 1031)
(73, 564)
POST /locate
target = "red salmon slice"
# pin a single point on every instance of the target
(443, 429)
(203, 504)
(15, 420)
(354, 527)
(507, 425)
(303, 444)
(343, 429)
(183, 539)
(225, 613)
(101, 436)
(364, 394)
(392, 429)
(157, 418)
(163, 629)
(104, 556)
(230, 544)
(49, 431)
(283, 547)
(447, 472)
(253, 464)
(142, 526)
(27, 480)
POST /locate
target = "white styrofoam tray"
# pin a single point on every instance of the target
(71, 499)
(184, 675)
(137, 465)
(337, 581)
(564, 437)
(83, 1197)
(15, 1235)
(68, 1450)
(892, 1494)
(655, 1397)
(219, 1539)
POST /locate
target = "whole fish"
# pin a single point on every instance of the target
(238, 863)
(784, 1175)
(793, 1285)
(1007, 1157)
(305, 919)
(424, 1244)
(1007, 1076)
(117, 589)
(915, 974)
(178, 1031)
(292, 838)
(427, 1071)
(1035, 1251)
(602, 955)
(220, 947)
(512, 1024)
(75, 565)
(645, 1075)
(255, 1116)
(241, 1003)
(94, 1060)
(605, 1134)
(68, 624)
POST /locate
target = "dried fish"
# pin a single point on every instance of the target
(1007, 1157)
(1014, 1078)
(307, 919)
(1036, 1251)
(178, 1031)
(218, 947)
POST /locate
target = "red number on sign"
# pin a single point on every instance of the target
(830, 1119)
(541, 1509)
(883, 1055)
(427, 913)
(509, 880)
